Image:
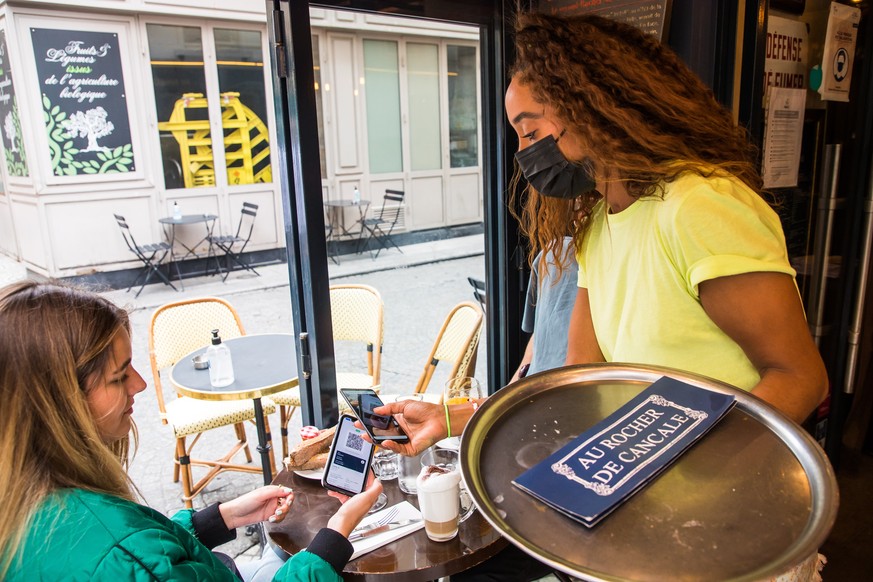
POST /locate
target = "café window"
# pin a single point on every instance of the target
(418, 64)
(463, 106)
(423, 82)
(382, 80)
(190, 88)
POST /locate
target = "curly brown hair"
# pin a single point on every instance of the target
(642, 116)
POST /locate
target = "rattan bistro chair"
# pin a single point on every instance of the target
(177, 329)
(356, 311)
(457, 342)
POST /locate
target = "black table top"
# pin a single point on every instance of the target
(263, 364)
(187, 219)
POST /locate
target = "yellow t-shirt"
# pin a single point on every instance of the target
(642, 268)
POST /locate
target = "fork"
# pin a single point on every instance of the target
(355, 536)
(385, 518)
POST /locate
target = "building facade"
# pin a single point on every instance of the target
(115, 110)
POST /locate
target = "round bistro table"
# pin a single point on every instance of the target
(412, 558)
(263, 364)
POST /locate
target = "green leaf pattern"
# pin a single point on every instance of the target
(63, 151)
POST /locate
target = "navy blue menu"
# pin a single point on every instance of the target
(605, 465)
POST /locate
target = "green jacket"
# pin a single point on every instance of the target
(82, 535)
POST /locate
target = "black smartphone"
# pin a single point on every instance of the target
(380, 428)
(349, 461)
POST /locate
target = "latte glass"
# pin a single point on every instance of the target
(439, 494)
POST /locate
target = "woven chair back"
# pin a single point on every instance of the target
(357, 312)
(457, 342)
(180, 327)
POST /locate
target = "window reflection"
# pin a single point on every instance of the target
(463, 106)
(180, 88)
(243, 106)
(182, 99)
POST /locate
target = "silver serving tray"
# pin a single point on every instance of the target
(752, 499)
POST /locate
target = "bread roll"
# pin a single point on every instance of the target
(305, 451)
(316, 462)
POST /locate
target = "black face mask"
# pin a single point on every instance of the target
(552, 174)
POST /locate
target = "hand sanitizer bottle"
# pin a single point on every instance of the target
(177, 212)
(356, 196)
(220, 363)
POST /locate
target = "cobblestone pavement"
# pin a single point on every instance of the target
(418, 289)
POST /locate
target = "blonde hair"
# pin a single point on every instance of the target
(641, 115)
(55, 344)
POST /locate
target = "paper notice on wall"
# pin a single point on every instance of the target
(839, 52)
(783, 136)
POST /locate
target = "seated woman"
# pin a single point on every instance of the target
(68, 385)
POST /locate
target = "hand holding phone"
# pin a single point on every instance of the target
(349, 461)
(354, 509)
(380, 428)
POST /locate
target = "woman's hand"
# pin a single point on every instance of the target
(268, 502)
(353, 509)
(425, 423)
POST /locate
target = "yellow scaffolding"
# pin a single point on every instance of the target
(246, 142)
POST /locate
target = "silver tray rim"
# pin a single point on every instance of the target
(822, 479)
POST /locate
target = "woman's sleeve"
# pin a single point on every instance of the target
(206, 525)
(722, 232)
(322, 561)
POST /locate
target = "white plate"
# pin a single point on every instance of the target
(311, 474)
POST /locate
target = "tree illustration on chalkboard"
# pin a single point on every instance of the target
(16, 163)
(91, 124)
(9, 128)
(67, 160)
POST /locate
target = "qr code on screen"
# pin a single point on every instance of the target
(354, 441)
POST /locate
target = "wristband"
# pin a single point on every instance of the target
(448, 422)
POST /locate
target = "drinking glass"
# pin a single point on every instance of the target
(385, 467)
(386, 464)
(458, 390)
(381, 502)
(410, 467)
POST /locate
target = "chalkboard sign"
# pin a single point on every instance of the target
(84, 101)
(652, 17)
(10, 135)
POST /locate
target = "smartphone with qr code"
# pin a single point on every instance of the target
(349, 461)
(380, 428)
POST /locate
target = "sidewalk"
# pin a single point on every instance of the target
(418, 288)
(272, 276)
